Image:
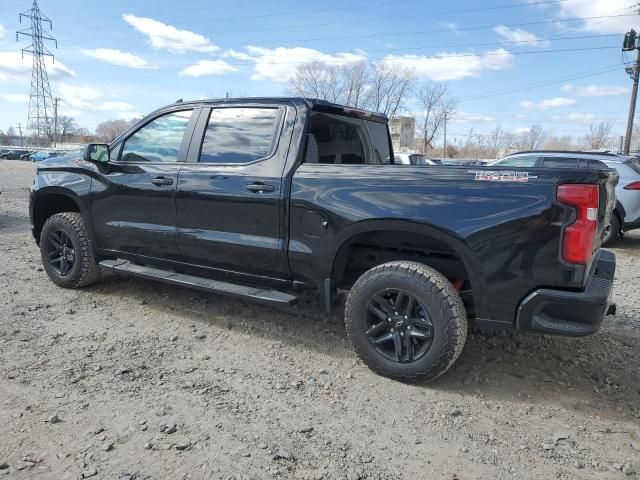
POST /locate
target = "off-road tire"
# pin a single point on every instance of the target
(613, 231)
(440, 299)
(85, 270)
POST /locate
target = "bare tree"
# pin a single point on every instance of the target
(317, 80)
(110, 129)
(599, 135)
(389, 86)
(533, 138)
(380, 86)
(436, 104)
(559, 143)
(66, 127)
(356, 79)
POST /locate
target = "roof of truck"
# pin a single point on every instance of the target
(312, 103)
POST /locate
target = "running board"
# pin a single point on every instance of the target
(199, 283)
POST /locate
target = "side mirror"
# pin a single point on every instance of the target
(96, 152)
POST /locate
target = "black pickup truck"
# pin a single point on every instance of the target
(265, 197)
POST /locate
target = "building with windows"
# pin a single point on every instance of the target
(403, 131)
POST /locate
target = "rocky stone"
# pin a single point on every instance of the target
(182, 445)
(89, 472)
(173, 338)
(560, 436)
(281, 455)
(54, 419)
(107, 447)
(628, 469)
(306, 429)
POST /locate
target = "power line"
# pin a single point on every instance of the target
(577, 76)
(375, 35)
(359, 21)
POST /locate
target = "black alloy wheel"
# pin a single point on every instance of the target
(61, 252)
(398, 326)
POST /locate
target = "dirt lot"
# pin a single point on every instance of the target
(135, 380)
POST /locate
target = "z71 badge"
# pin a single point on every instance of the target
(502, 176)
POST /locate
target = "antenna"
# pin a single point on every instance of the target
(40, 119)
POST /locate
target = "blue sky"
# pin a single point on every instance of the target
(122, 59)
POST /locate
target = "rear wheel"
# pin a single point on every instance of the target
(406, 321)
(612, 231)
(67, 253)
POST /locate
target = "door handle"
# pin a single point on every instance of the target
(159, 181)
(260, 187)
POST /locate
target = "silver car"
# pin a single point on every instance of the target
(626, 215)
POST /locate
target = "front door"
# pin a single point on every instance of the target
(133, 199)
(229, 197)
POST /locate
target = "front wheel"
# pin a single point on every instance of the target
(406, 321)
(66, 250)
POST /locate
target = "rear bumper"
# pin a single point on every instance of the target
(571, 313)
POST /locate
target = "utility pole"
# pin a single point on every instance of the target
(20, 131)
(55, 121)
(629, 44)
(445, 134)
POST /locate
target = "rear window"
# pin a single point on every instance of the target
(341, 140)
(380, 138)
(634, 163)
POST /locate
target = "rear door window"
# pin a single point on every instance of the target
(560, 162)
(239, 135)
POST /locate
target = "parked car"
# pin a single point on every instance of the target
(412, 159)
(43, 155)
(262, 198)
(13, 154)
(626, 215)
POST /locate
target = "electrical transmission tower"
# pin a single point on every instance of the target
(40, 120)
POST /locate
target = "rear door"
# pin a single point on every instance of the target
(229, 200)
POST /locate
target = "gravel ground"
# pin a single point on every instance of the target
(130, 379)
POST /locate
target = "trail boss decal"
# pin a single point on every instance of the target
(502, 176)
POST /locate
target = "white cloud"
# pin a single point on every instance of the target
(586, 118)
(279, 64)
(521, 130)
(594, 90)
(118, 57)
(127, 115)
(519, 35)
(123, 106)
(14, 67)
(468, 117)
(454, 66)
(208, 67)
(162, 35)
(547, 104)
(79, 97)
(16, 97)
(594, 8)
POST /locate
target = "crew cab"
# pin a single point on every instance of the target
(263, 198)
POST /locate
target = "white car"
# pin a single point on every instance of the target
(626, 215)
(412, 159)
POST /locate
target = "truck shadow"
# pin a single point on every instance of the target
(570, 373)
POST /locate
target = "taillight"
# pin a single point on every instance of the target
(633, 186)
(577, 242)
